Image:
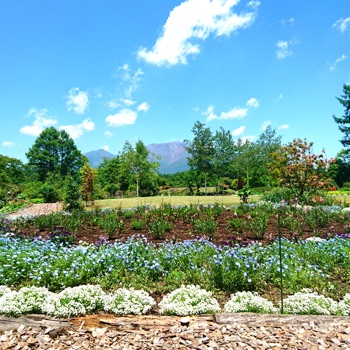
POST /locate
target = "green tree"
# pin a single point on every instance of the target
(201, 151)
(87, 175)
(54, 151)
(136, 167)
(108, 175)
(224, 153)
(339, 170)
(244, 158)
(12, 176)
(344, 121)
(296, 166)
(265, 145)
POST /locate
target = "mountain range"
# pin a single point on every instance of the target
(173, 156)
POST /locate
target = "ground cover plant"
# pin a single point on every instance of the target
(56, 253)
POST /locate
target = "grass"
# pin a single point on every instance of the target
(173, 200)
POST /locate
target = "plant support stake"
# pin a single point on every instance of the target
(280, 256)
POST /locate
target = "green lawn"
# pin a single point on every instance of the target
(173, 200)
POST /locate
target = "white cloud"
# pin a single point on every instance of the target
(253, 102)
(108, 134)
(128, 102)
(265, 125)
(248, 138)
(234, 113)
(124, 117)
(41, 122)
(8, 144)
(342, 24)
(338, 60)
(77, 130)
(192, 21)
(131, 78)
(289, 21)
(106, 148)
(283, 127)
(113, 104)
(77, 100)
(143, 107)
(283, 50)
(238, 131)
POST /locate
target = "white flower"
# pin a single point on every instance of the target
(307, 302)
(26, 300)
(314, 239)
(249, 302)
(129, 302)
(4, 290)
(188, 300)
(344, 305)
(74, 301)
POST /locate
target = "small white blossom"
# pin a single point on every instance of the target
(344, 305)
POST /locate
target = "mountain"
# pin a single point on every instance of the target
(173, 156)
(96, 157)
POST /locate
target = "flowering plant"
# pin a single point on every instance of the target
(129, 302)
(188, 300)
(75, 301)
(307, 302)
(249, 302)
(26, 300)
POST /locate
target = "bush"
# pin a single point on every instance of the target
(188, 300)
(249, 302)
(129, 302)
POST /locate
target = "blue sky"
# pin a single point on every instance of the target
(109, 71)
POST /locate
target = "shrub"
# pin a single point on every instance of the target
(249, 302)
(307, 302)
(75, 301)
(129, 302)
(188, 300)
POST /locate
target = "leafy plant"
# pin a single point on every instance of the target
(205, 227)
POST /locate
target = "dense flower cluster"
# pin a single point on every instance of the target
(128, 302)
(188, 300)
(307, 302)
(249, 302)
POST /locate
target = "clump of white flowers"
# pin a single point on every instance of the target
(4, 290)
(249, 302)
(307, 302)
(75, 301)
(26, 300)
(188, 300)
(344, 305)
(128, 302)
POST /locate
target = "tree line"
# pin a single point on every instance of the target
(57, 171)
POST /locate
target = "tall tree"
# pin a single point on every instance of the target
(344, 121)
(54, 151)
(136, 165)
(201, 151)
(108, 175)
(224, 152)
(244, 160)
(87, 175)
(265, 145)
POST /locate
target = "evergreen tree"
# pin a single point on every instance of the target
(344, 121)
(54, 151)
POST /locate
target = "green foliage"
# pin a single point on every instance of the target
(157, 228)
(205, 227)
(344, 121)
(54, 151)
(72, 195)
(296, 167)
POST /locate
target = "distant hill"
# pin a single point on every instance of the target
(96, 157)
(173, 156)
